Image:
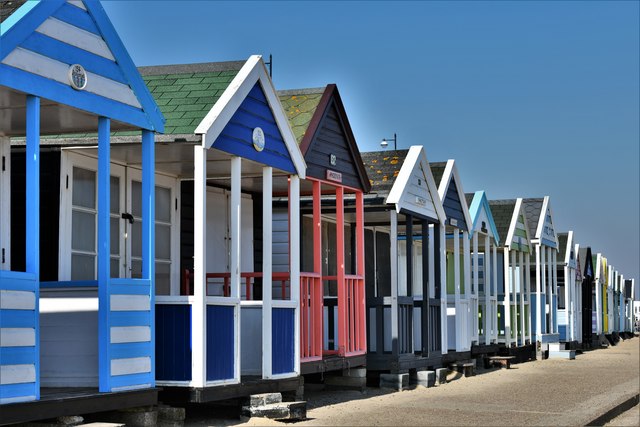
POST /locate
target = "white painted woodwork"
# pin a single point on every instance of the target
(17, 300)
(393, 220)
(17, 337)
(125, 334)
(130, 303)
(77, 3)
(267, 269)
(443, 288)
(294, 207)
(134, 365)
(17, 374)
(198, 310)
(75, 36)
(59, 71)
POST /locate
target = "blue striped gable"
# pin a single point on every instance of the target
(453, 206)
(41, 40)
(237, 136)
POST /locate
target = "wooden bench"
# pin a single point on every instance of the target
(501, 360)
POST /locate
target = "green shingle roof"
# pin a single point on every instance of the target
(502, 212)
(437, 170)
(300, 105)
(562, 249)
(186, 93)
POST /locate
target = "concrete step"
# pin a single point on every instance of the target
(562, 354)
(278, 411)
(263, 399)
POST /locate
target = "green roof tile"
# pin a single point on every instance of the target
(300, 106)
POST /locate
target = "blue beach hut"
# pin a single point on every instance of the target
(64, 69)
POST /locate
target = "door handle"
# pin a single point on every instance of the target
(128, 217)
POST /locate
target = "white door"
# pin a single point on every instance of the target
(78, 223)
(5, 206)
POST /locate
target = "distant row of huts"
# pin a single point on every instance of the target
(190, 227)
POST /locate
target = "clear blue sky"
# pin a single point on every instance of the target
(530, 98)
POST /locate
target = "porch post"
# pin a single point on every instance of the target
(409, 253)
(542, 312)
(466, 247)
(294, 251)
(199, 307)
(527, 279)
(441, 280)
(456, 286)
(340, 273)
(395, 330)
(32, 218)
(554, 290)
(568, 283)
(235, 222)
(426, 309)
(361, 304)
(494, 315)
(318, 310)
(148, 231)
(507, 297)
(104, 252)
(488, 285)
(267, 268)
(475, 333)
(522, 291)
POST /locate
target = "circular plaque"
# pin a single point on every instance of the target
(258, 139)
(77, 77)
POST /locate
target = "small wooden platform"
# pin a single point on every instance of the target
(466, 368)
(499, 360)
(57, 402)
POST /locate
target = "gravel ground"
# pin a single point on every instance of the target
(549, 392)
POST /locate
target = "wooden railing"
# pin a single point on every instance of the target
(248, 279)
(355, 342)
(311, 327)
(435, 319)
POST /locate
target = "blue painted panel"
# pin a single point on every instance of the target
(283, 340)
(17, 355)
(236, 137)
(130, 318)
(549, 243)
(132, 349)
(9, 391)
(69, 284)
(563, 332)
(66, 53)
(173, 342)
(31, 83)
(453, 207)
(534, 314)
(17, 281)
(131, 380)
(76, 17)
(220, 343)
(130, 286)
(18, 318)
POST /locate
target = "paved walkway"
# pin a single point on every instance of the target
(549, 392)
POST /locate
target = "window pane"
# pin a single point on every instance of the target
(136, 198)
(163, 241)
(83, 267)
(83, 235)
(163, 281)
(136, 269)
(115, 236)
(163, 204)
(115, 268)
(136, 239)
(84, 188)
(115, 195)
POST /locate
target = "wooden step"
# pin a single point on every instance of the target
(278, 411)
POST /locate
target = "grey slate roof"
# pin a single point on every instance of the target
(7, 7)
(437, 170)
(382, 168)
(469, 197)
(502, 212)
(532, 208)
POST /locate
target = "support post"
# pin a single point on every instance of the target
(317, 314)
(441, 278)
(475, 290)
(199, 307)
(426, 310)
(294, 251)
(395, 336)
(456, 287)
(527, 277)
(494, 268)
(267, 270)
(104, 253)
(361, 304)
(522, 291)
(342, 285)
(507, 298)
(149, 230)
(488, 285)
(32, 215)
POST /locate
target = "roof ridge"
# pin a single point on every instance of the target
(203, 67)
(302, 91)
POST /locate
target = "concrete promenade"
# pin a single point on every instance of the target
(549, 392)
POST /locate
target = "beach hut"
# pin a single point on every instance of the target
(484, 253)
(227, 319)
(461, 296)
(544, 318)
(587, 320)
(599, 322)
(628, 309)
(70, 345)
(405, 265)
(514, 282)
(568, 297)
(333, 316)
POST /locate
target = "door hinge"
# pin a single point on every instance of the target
(3, 259)
(176, 203)
(4, 163)
(67, 182)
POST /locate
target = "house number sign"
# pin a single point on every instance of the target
(258, 139)
(77, 77)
